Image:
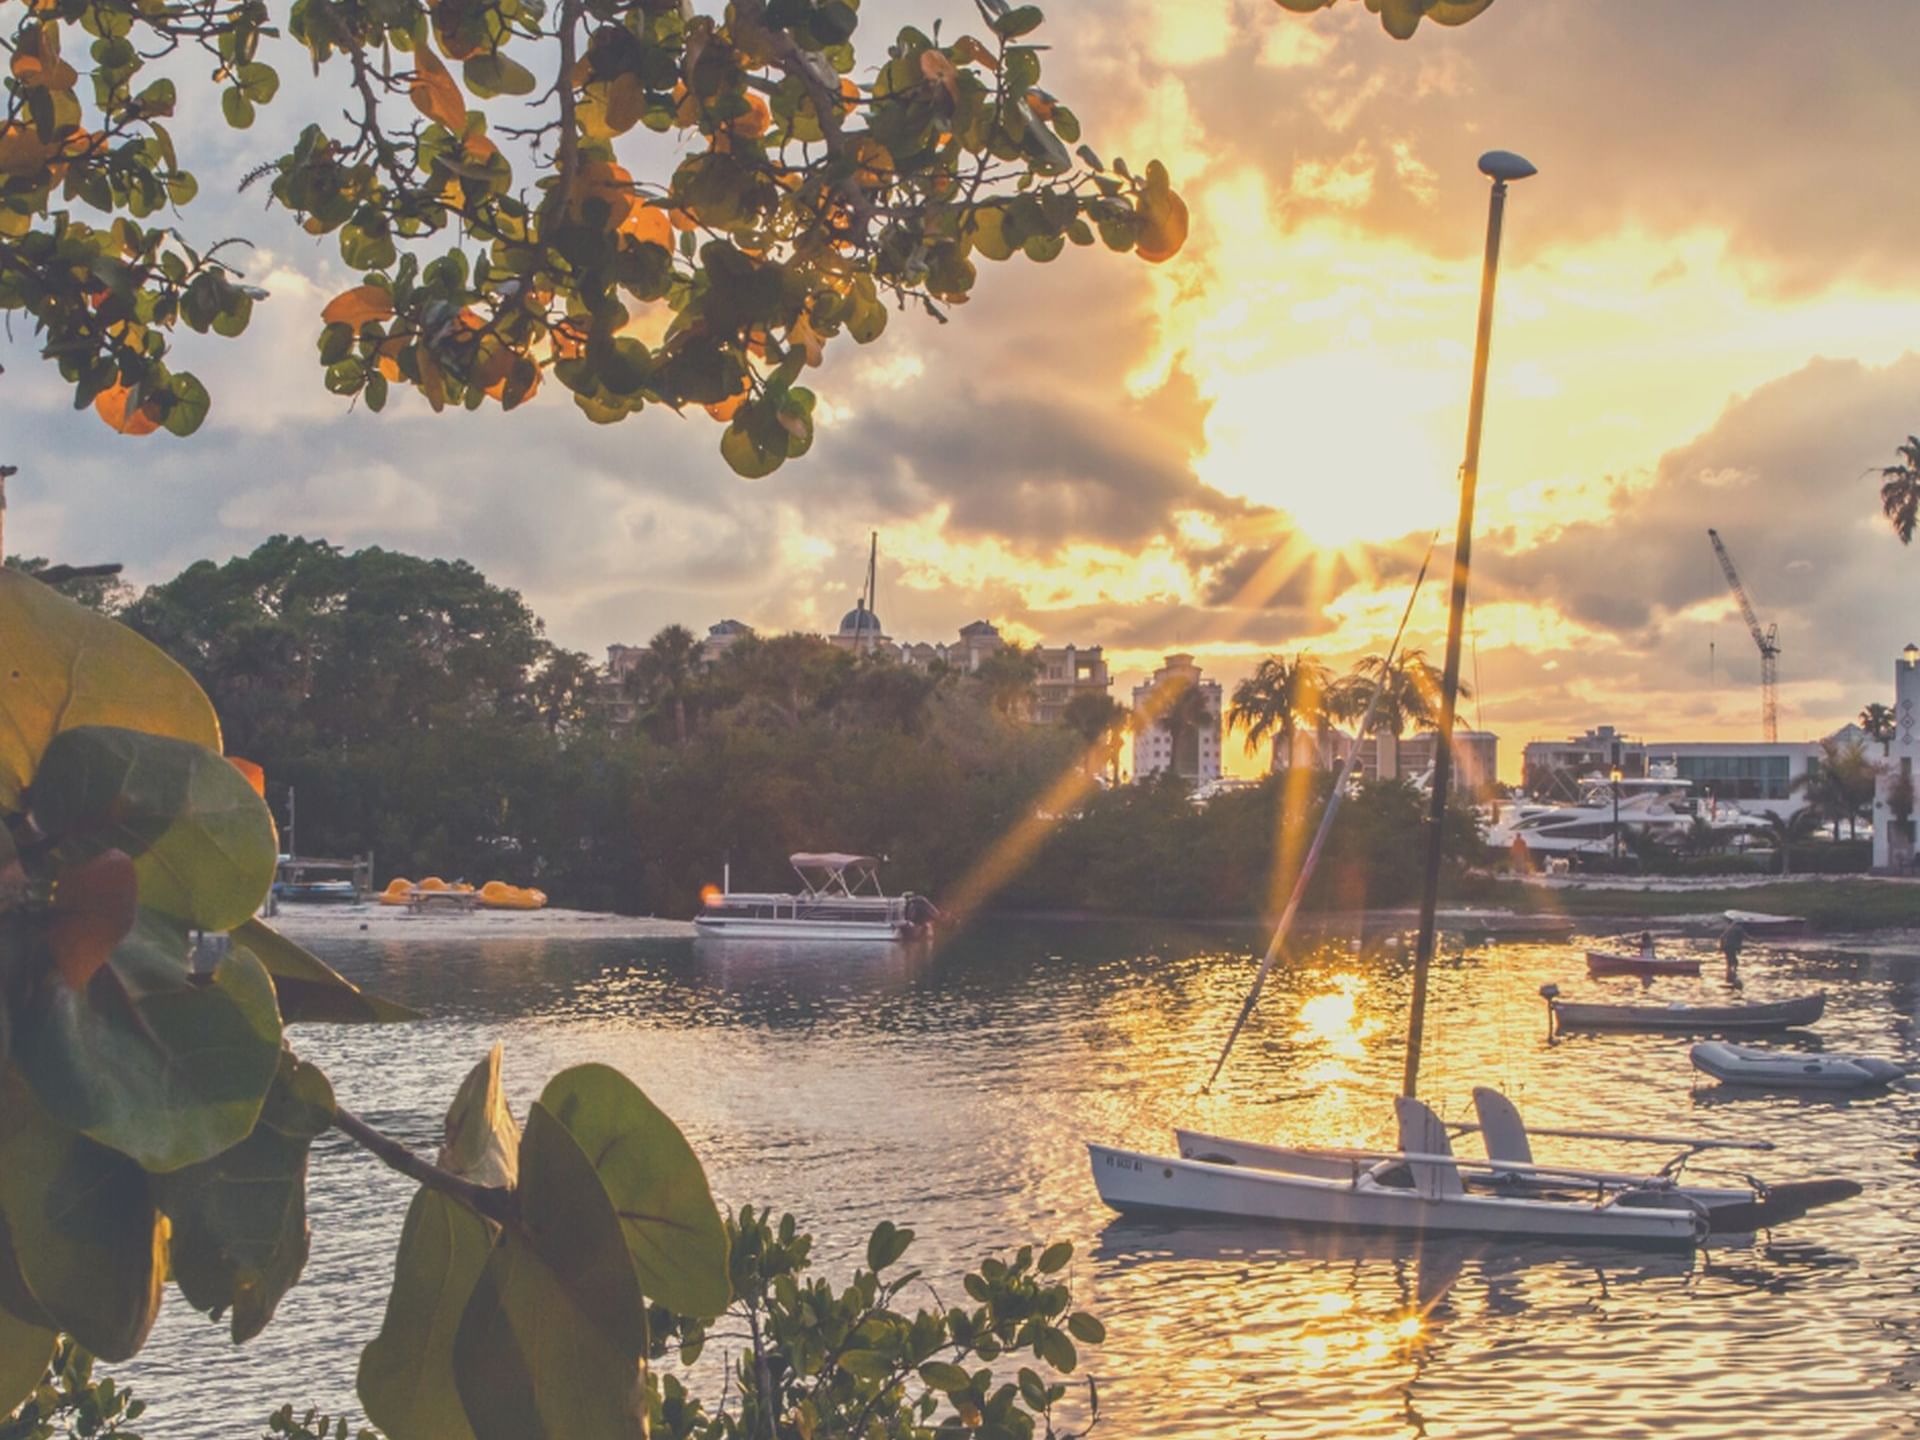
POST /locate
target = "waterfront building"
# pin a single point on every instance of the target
(861, 632)
(1893, 796)
(1194, 753)
(1476, 757)
(1066, 671)
(722, 638)
(1763, 776)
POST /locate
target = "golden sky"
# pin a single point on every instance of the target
(1707, 316)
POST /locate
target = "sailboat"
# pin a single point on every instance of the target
(1423, 1187)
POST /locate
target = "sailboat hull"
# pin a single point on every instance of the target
(1132, 1182)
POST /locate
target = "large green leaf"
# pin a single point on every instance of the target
(240, 1219)
(656, 1184)
(201, 839)
(310, 989)
(147, 1060)
(92, 1248)
(24, 1352)
(483, 1142)
(63, 665)
(406, 1373)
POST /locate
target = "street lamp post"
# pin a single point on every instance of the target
(1614, 778)
(1501, 167)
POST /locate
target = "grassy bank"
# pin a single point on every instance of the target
(1829, 904)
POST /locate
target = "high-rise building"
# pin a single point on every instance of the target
(1174, 733)
(1893, 800)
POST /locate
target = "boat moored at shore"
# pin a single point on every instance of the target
(839, 899)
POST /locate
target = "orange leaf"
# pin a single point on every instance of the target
(935, 65)
(969, 48)
(256, 777)
(650, 226)
(849, 96)
(93, 908)
(724, 410)
(111, 405)
(359, 306)
(753, 124)
(1163, 225)
(435, 93)
(802, 333)
(602, 180)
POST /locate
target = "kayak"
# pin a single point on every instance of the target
(1758, 922)
(1789, 1069)
(1613, 962)
(1772, 1015)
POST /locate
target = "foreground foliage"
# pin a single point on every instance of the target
(155, 1126)
(805, 201)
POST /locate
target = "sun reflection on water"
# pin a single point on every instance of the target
(1332, 1020)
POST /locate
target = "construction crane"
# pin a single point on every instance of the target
(1766, 641)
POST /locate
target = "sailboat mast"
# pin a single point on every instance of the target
(1501, 167)
(873, 564)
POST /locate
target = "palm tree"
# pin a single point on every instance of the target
(668, 673)
(1879, 722)
(1276, 700)
(1409, 690)
(1009, 673)
(1839, 784)
(1102, 722)
(1797, 826)
(1900, 490)
(1187, 714)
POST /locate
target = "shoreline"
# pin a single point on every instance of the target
(375, 921)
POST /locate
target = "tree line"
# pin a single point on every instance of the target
(419, 711)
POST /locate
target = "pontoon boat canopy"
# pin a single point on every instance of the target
(829, 861)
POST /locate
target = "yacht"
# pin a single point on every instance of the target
(1661, 806)
(839, 899)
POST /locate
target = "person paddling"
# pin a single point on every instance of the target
(1731, 939)
(1646, 944)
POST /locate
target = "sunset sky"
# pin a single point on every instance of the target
(1708, 316)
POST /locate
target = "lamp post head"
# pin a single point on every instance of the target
(1504, 165)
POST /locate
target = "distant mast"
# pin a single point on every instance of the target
(869, 600)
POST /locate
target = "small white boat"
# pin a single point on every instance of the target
(1420, 1188)
(1790, 1069)
(840, 899)
(1760, 1016)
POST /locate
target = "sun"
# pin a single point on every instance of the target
(1342, 442)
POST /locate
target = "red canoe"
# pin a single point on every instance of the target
(1607, 962)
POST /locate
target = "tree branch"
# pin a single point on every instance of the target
(494, 1202)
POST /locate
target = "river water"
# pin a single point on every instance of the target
(952, 1092)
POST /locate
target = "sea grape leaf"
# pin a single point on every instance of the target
(309, 988)
(92, 1248)
(24, 1352)
(656, 1184)
(146, 1060)
(406, 1372)
(63, 665)
(531, 1364)
(201, 840)
(483, 1142)
(240, 1219)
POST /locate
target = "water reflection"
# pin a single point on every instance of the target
(953, 1091)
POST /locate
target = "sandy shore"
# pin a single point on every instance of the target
(396, 922)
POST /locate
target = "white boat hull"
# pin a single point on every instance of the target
(752, 928)
(1130, 1181)
(1336, 1163)
(1791, 1070)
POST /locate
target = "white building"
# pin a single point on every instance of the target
(1893, 800)
(1194, 754)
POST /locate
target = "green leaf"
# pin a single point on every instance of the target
(1056, 1349)
(490, 75)
(1055, 1257)
(145, 1060)
(67, 666)
(311, 990)
(190, 405)
(866, 1364)
(1086, 1328)
(886, 1245)
(92, 1248)
(483, 1142)
(24, 1352)
(1019, 21)
(654, 1182)
(240, 1219)
(238, 109)
(406, 1379)
(747, 459)
(202, 840)
(531, 1364)
(259, 82)
(944, 1377)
